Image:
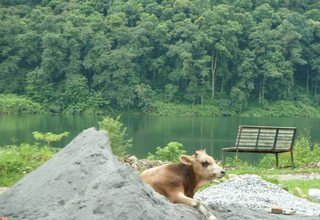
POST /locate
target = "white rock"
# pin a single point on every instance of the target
(315, 194)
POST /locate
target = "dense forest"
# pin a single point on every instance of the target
(71, 55)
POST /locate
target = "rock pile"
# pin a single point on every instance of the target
(141, 164)
(253, 192)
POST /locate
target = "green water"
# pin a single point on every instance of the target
(148, 132)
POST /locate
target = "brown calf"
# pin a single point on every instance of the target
(179, 182)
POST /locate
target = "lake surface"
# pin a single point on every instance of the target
(148, 132)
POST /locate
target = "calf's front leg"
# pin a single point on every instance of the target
(181, 198)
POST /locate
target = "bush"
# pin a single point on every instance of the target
(16, 161)
(49, 137)
(283, 109)
(117, 135)
(12, 104)
(162, 108)
(171, 152)
(234, 162)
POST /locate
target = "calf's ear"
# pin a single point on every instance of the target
(187, 160)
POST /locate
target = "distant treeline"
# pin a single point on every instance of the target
(75, 55)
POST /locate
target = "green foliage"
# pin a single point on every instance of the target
(304, 185)
(76, 94)
(234, 162)
(117, 133)
(16, 161)
(162, 108)
(144, 95)
(303, 154)
(11, 104)
(49, 137)
(283, 109)
(170, 152)
(79, 56)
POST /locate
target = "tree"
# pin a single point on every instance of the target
(49, 137)
(117, 134)
(222, 30)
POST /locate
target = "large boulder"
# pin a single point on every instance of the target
(85, 181)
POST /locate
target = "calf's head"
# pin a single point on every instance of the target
(204, 166)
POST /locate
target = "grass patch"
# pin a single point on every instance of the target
(304, 185)
(17, 161)
(273, 171)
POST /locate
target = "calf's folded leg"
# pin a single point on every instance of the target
(181, 198)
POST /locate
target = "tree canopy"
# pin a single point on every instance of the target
(75, 55)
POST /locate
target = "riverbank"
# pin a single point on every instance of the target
(14, 104)
(224, 108)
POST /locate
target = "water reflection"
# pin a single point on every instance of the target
(148, 132)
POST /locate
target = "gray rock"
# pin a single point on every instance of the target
(314, 194)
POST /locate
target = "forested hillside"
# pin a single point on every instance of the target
(79, 54)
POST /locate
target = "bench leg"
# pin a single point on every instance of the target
(222, 155)
(291, 154)
(277, 160)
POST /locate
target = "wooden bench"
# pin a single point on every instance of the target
(263, 139)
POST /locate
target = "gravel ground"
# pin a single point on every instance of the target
(253, 192)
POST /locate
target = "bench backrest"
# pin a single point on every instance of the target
(266, 137)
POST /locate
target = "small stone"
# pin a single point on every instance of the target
(314, 194)
(276, 210)
(289, 212)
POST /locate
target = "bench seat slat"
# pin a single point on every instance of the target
(254, 150)
(264, 139)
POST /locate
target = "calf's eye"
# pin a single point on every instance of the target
(205, 163)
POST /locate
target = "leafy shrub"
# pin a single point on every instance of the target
(10, 103)
(49, 137)
(186, 110)
(117, 135)
(171, 152)
(238, 99)
(16, 161)
(144, 96)
(76, 94)
(284, 109)
(234, 162)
